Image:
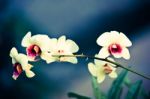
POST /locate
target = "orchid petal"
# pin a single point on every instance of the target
(73, 47)
(29, 73)
(13, 52)
(101, 78)
(103, 53)
(92, 69)
(124, 41)
(26, 40)
(48, 57)
(113, 74)
(125, 53)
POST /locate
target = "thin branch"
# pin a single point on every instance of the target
(117, 64)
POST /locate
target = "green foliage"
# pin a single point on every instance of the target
(134, 90)
(97, 93)
(116, 87)
(116, 90)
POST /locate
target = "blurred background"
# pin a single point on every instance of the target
(80, 20)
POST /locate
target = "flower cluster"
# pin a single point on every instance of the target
(113, 44)
(43, 47)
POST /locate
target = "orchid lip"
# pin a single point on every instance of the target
(17, 69)
(107, 69)
(115, 49)
(33, 51)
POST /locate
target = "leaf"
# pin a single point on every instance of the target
(97, 93)
(77, 96)
(134, 90)
(116, 85)
(119, 92)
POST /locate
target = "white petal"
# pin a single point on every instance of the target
(26, 40)
(61, 40)
(103, 40)
(29, 74)
(43, 41)
(117, 55)
(124, 41)
(23, 60)
(28, 67)
(13, 52)
(92, 69)
(47, 57)
(70, 59)
(114, 37)
(125, 53)
(111, 59)
(113, 74)
(13, 61)
(73, 47)
(100, 78)
(103, 53)
(53, 45)
(15, 77)
(99, 62)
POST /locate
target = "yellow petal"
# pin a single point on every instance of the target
(92, 69)
(101, 78)
(23, 60)
(113, 74)
(13, 52)
(29, 74)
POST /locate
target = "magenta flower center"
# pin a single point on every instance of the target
(115, 48)
(107, 69)
(17, 69)
(33, 51)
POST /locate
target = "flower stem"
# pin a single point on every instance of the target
(115, 63)
(96, 90)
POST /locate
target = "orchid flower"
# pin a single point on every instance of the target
(114, 43)
(37, 45)
(62, 47)
(20, 64)
(101, 68)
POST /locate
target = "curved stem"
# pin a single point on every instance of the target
(117, 64)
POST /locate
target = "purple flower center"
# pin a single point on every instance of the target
(17, 69)
(33, 51)
(115, 49)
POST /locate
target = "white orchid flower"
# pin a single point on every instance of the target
(20, 64)
(100, 69)
(37, 45)
(62, 47)
(114, 43)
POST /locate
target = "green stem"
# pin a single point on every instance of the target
(117, 64)
(96, 90)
